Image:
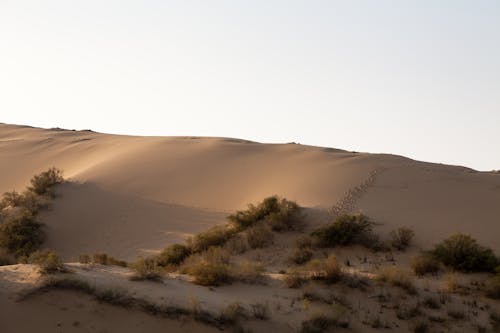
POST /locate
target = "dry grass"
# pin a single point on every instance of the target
(259, 236)
(424, 264)
(401, 238)
(300, 256)
(146, 269)
(398, 278)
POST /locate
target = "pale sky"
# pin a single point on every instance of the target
(414, 78)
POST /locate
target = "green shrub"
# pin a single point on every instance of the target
(300, 256)
(401, 238)
(21, 235)
(346, 230)
(278, 213)
(215, 236)
(48, 261)
(146, 269)
(43, 183)
(463, 253)
(424, 264)
(173, 255)
(259, 236)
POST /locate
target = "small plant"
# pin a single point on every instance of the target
(401, 238)
(215, 236)
(293, 280)
(259, 236)
(210, 268)
(43, 183)
(451, 284)
(146, 269)
(115, 296)
(48, 261)
(300, 256)
(398, 278)
(424, 264)
(173, 255)
(248, 272)
(346, 230)
(407, 311)
(328, 270)
(463, 253)
(260, 310)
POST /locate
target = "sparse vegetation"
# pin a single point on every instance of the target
(278, 213)
(260, 310)
(424, 264)
(421, 326)
(43, 183)
(346, 230)
(401, 238)
(293, 280)
(173, 255)
(259, 236)
(463, 253)
(48, 261)
(318, 324)
(21, 235)
(300, 256)
(146, 269)
(493, 287)
(215, 236)
(248, 272)
(210, 268)
(398, 278)
(328, 270)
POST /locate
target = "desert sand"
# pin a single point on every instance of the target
(131, 196)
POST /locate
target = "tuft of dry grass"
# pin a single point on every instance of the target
(146, 269)
(300, 256)
(398, 278)
(424, 264)
(259, 236)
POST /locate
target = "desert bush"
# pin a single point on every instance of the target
(456, 313)
(100, 258)
(12, 199)
(407, 311)
(259, 236)
(173, 255)
(43, 183)
(146, 269)
(322, 323)
(248, 272)
(84, 259)
(463, 253)
(210, 268)
(424, 264)
(346, 230)
(293, 280)
(401, 238)
(260, 310)
(300, 256)
(328, 270)
(493, 287)
(237, 244)
(278, 213)
(215, 236)
(398, 278)
(21, 235)
(48, 261)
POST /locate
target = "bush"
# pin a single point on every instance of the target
(237, 244)
(401, 238)
(43, 183)
(116, 262)
(493, 287)
(293, 280)
(259, 236)
(21, 235)
(100, 258)
(300, 256)
(215, 236)
(146, 269)
(329, 269)
(424, 264)
(48, 261)
(12, 199)
(346, 230)
(210, 268)
(173, 255)
(278, 213)
(84, 259)
(398, 278)
(260, 310)
(463, 253)
(248, 272)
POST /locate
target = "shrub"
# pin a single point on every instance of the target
(146, 269)
(293, 280)
(328, 269)
(401, 238)
(300, 256)
(43, 183)
(278, 213)
(115, 296)
(21, 235)
(173, 255)
(421, 327)
(232, 313)
(215, 236)
(463, 253)
(431, 303)
(210, 268)
(260, 310)
(100, 258)
(48, 261)
(237, 244)
(116, 262)
(5, 260)
(398, 278)
(248, 272)
(424, 264)
(493, 288)
(346, 230)
(259, 236)
(12, 199)
(84, 259)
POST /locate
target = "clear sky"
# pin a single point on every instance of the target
(415, 78)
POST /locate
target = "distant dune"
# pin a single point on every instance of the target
(132, 195)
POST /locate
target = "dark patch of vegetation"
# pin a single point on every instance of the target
(463, 253)
(278, 213)
(102, 259)
(48, 261)
(456, 314)
(348, 230)
(421, 327)
(401, 238)
(21, 235)
(43, 183)
(210, 268)
(5, 260)
(300, 256)
(260, 311)
(259, 236)
(321, 323)
(146, 269)
(398, 278)
(215, 236)
(173, 255)
(493, 287)
(424, 264)
(431, 303)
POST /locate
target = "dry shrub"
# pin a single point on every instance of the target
(232, 313)
(346, 230)
(248, 272)
(146, 269)
(173, 255)
(21, 235)
(215, 236)
(48, 261)
(300, 256)
(401, 238)
(43, 183)
(260, 310)
(259, 236)
(328, 270)
(398, 278)
(424, 264)
(84, 259)
(321, 323)
(237, 244)
(210, 268)
(293, 280)
(451, 284)
(100, 258)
